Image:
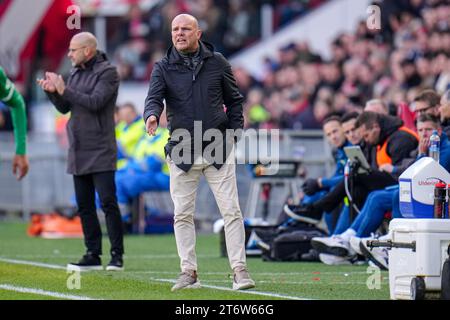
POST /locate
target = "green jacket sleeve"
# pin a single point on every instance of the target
(12, 98)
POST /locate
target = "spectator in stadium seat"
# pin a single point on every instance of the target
(427, 102)
(257, 115)
(196, 82)
(377, 106)
(314, 116)
(90, 96)
(14, 100)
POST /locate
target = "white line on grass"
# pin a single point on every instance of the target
(259, 293)
(143, 256)
(33, 263)
(264, 273)
(299, 282)
(268, 294)
(43, 292)
(53, 266)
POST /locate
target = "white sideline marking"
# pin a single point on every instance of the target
(53, 266)
(259, 293)
(32, 263)
(43, 292)
(298, 282)
(142, 256)
(267, 294)
(263, 273)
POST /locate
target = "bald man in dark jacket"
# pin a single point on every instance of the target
(90, 96)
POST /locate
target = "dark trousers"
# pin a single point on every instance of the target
(85, 187)
(363, 185)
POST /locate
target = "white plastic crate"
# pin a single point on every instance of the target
(416, 271)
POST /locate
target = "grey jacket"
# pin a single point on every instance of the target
(90, 96)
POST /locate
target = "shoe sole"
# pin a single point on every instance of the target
(264, 246)
(244, 286)
(196, 285)
(114, 268)
(356, 248)
(71, 267)
(329, 262)
(366, 252)
(294, 216)
(253, 252)
(323, 248)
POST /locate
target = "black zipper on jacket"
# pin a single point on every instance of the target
(197, 70)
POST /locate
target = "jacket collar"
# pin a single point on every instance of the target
(100, 56)
(206, 51)
(388, 125)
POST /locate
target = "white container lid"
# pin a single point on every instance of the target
(420, 225)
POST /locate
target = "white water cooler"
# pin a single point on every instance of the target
(419, 244)
(416, 259)
(417, 187)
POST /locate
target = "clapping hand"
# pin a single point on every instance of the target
(46, 84)
(52, 83)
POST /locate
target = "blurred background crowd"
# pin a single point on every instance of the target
(298, 87)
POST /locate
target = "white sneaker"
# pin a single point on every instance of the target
(333, 260)
(355, 241)
(334, 245)
(378, 255)
(242, 280)
(186, 280)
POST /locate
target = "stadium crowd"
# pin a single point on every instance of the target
(410, 53)
(140, 38)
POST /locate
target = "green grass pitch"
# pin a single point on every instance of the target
(34, 268)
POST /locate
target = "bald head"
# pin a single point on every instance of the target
(185, 33)
(187, 18)
(85, 39)
(377, 106)
(83, 47)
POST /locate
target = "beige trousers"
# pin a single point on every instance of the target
(183, 190)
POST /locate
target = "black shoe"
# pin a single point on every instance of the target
(88, 262)
(264, 246)
(311, 256)
(306, 214)
(116, 263)
(266, 235)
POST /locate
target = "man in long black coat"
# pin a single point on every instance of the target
(90, 95)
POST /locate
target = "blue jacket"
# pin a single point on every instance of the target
(444, 152)
(341, 160)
